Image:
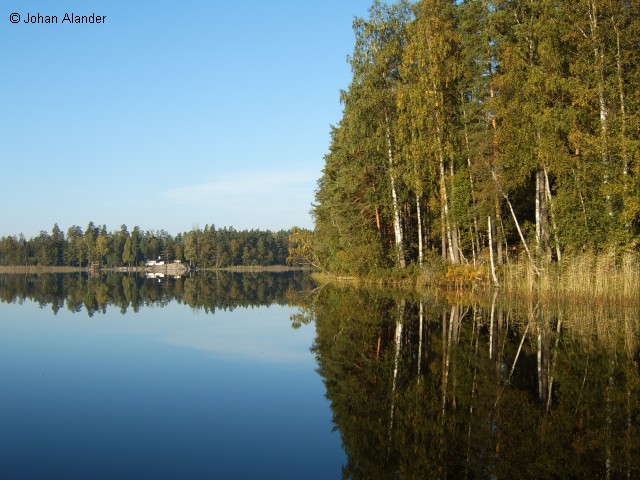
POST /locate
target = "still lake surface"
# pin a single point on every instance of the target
(270, 376)
(162, 390)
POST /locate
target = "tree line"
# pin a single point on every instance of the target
(201, 248)
(477, 130)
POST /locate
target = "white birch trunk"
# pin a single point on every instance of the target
(397, 226)
(553, 363)
(541, 390)
(396, 366)
(515, 360)
(493, 265)
(500, 248)
(455, 231)
(491, 329)
(623, 108)
(445, 208)
(538, 215)
(542, 216)
(598, 55)
(447, 360)
(553, 215)
(513, 367)
(419, 215)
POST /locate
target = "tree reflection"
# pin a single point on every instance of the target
(423, 388)
(206, 292)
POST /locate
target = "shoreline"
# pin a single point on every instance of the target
(581, 278)
(20, 269)
(41, 269)
(257, 268)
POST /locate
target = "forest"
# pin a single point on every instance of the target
(473, 132)
(200, 248)
(480, 131)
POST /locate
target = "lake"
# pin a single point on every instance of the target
(267, 375)
(225, 388)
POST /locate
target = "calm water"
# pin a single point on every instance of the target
(167, 391)
(267, 376)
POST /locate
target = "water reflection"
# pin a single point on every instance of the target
(164, 392)
(421, 386)
(206, 291)
(429, 388)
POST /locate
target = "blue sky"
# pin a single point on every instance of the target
(170, 114)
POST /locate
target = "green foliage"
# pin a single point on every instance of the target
(301, 248)
(127, 253)
(208, 248)
(524, 112)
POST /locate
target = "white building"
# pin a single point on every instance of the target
(154, 263)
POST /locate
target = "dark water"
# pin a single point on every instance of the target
(434, 387)
(271, 376)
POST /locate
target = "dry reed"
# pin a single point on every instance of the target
(606, 277)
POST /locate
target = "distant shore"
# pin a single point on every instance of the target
(49, 269)
(40, 269)
(160, 269)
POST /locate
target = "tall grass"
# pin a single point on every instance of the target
(607, 276)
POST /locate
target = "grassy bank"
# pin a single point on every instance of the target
(40, 269)
(588, 277)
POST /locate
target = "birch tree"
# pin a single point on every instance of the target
(432, 69)
(375, 63)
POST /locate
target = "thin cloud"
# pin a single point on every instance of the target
(245, 188)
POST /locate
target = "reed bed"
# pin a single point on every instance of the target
(606, 277)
